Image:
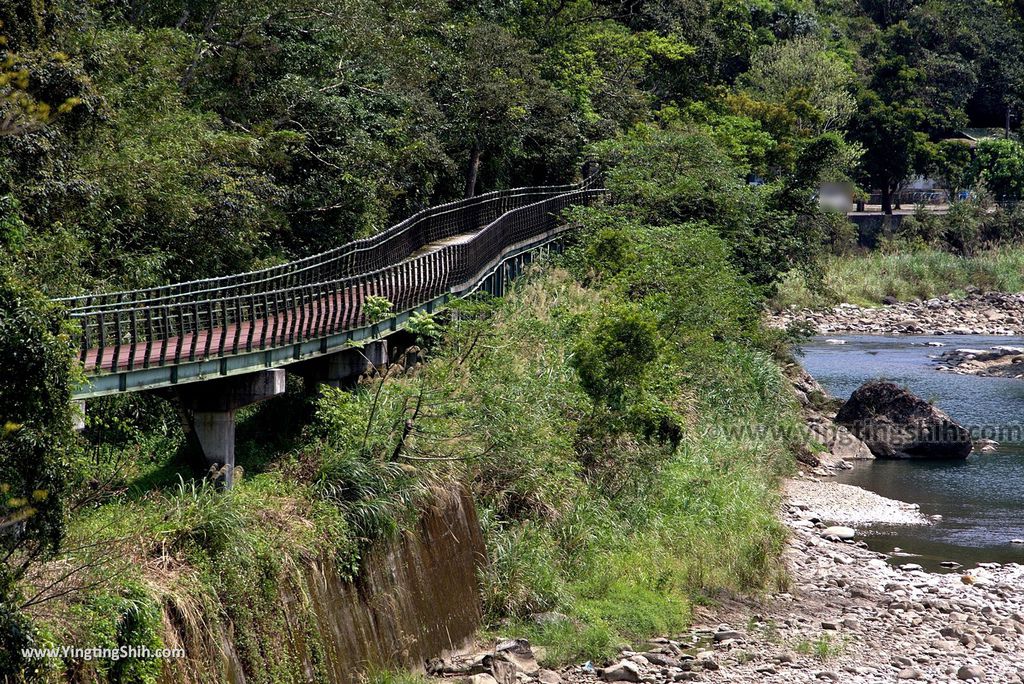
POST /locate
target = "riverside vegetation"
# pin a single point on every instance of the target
(595, 413)
(977, 245)
(592, 411)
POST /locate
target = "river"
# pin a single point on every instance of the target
(981, 500)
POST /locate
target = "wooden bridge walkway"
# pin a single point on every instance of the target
(208, 329)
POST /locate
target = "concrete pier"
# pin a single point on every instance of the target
(344, 366)
(212, 406)
(79, 414)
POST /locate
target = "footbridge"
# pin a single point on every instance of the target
(222, 343)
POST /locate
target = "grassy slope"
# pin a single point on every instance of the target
(867, 278)
(621, 541)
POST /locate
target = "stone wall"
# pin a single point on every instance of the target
(416, 597)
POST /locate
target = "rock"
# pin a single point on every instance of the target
(894, 423)
(519, 653)
(482, 678)
(549, 677)
(660, 659)
(945, 645)
(729, 635)
(504, 671)
(840, 444)
(910, 673)
(910, 567)
(971, 672)
(839, 532)
(464, 664)
(996, 643)
(624, 671)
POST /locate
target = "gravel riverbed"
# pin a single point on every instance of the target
(848, 616)
(978, 313)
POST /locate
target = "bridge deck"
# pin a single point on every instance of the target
(274, 331)
(195, 331)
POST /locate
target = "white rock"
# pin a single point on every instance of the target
(839, 532)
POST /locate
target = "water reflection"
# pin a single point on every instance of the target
(981, 500)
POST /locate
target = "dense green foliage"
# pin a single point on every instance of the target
(598, 414)
(275, 130)
(35, 448)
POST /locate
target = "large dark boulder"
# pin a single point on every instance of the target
(895, 423)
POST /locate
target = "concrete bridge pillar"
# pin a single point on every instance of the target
(336, 369)
(212, 406)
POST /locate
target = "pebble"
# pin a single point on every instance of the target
(971, 672)
(729, 635)
(839, 532)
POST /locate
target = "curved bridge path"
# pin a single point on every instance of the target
(223, 343)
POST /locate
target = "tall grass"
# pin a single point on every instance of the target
(618, 532)
(921, 274)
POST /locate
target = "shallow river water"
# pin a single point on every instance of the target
(981, 500)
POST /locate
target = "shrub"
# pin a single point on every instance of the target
(36, 444)
(614, 357)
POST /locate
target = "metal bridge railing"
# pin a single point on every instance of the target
(360, 256)
(315, 299)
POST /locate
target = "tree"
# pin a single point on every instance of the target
(890, 123)
(21, 111)
(951, 162)
(683, 174)
(999, 164)
(888, 12)
(495, 97)
(613, 359)
(810, 80)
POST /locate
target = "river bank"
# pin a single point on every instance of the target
(1000, 361)
(978, 313)
(848, 616)
(850, 613)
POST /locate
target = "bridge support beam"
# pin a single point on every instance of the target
(212, 406)
(341, 367)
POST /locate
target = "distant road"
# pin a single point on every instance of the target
(876, 210)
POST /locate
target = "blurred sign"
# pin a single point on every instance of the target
(836, 196)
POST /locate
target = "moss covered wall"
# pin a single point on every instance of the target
(416, 597)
